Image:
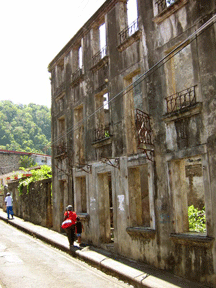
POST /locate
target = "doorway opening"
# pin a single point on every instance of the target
(106, 216)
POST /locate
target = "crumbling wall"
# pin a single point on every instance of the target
(34, 206)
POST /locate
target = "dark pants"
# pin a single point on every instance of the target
(71, 234)
(10, 211)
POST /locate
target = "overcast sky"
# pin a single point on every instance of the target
(32, 34)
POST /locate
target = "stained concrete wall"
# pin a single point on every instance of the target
(163, 240)
(34, 206)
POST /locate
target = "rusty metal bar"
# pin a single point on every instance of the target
(180, 100)
(143, 126)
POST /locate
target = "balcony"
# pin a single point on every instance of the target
(163, 4)
(60, 90)
(167, 7)
(102, 133)
(100, 59)
(181, 100)
(129, 35)
(144, 134)
(61, 150)
(77, 77)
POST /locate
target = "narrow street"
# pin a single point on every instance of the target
(28, 262)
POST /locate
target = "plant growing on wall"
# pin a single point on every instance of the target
(27, 162)
(44, 172)
(197, 219)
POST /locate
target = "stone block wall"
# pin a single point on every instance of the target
(34, 206)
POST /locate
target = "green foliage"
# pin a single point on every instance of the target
(26, 162)
(44, 173)
(25, 128)
(197, 219)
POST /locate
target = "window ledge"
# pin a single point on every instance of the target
(100, 64)
(141, 232)
(183, 113)
(83, 216)
(129, 41)
(102, 142)
(77, 80)
(192, 239)
(169, 11)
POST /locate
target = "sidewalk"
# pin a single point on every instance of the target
(137, 274)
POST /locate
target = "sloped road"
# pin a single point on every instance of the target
(28, 262)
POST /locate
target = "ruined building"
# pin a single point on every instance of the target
(134, 130)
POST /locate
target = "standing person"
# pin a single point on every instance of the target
(9, 203)
(79, 229)
(69, 214)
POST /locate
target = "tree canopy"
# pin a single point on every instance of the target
(25, 128)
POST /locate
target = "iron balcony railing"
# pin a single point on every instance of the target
(99, 55)
(102, 133)
(180, 100)
(144, 131)
(60, 89)
(77, 74)
(163, 4)
(128, 31)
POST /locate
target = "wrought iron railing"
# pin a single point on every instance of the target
(77, 74)
(60, 89)
(180, 100)
(102, 133)
(163, 4)
(128, 31)
(99, 55)
(144, 131)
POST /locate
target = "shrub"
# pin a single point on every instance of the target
(197, 219)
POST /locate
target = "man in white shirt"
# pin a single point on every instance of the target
(9, 203)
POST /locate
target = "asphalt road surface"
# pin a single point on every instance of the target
(27, 262)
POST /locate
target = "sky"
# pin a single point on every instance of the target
(32, 34)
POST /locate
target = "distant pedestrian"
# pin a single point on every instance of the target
(79, 229)
(69, 224)
(9, 205)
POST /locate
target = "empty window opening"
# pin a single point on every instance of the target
(102, 116)
(79, 136)
(62, 199)
(106, 102)
(106, 208)
(61, 131)
(163, 4)
(99, 43)
(187, 187)
(60, 73)
(102, 33)
(139, 196)
(131, 11)
(133, 100)
(80, 54)
(81, 199)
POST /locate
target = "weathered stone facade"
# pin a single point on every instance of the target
(133, 164)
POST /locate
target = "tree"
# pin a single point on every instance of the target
(26, 162)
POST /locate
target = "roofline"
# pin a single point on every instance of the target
(22, 153)
(84, 29)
